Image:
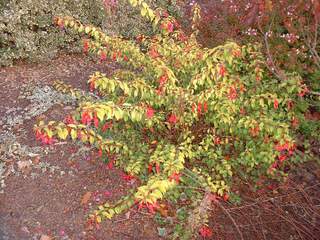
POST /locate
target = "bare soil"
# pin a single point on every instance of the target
(46, 198)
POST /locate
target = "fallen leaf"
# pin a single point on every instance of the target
(127, 215)
(45, 237)
(36, 160)
(86, 198)
(23, 164)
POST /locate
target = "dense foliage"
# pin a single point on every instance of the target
(288, 31)
(183, 120)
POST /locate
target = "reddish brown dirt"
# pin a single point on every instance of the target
(51, 204)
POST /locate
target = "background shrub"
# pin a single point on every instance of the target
(27, 31)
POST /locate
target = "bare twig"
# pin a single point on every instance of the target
(231, 218)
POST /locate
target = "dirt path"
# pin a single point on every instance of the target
(47, 192)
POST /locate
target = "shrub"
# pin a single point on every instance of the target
(123, 20)
(183, 120)
(27, 32)
(289, 27)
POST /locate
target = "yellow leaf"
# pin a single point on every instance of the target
(91, 139)
(63, 133)
(73, 134)
(100, 114)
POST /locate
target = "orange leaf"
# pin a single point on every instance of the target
(85, 198)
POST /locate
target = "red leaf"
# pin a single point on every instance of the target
(103, 56)
(282, 158)
(96, 121)
(232, 93)
(150, 168)
(222, 71)
(205, 232)
(150, 112)
(226, 197)
(92, 86)
(199, 108)
(100, 152)
(85, 46)
(275, 104)
(153, 53)
(175, 177)
(205, 107)
(86, 197)
(157, 167)
(170, 27)
(86, 118)
(172, 119)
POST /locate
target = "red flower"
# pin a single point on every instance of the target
(275, 104)
(125, 58)
(172, 119)
(232, 93)
(222, 70)
(150, 112)
(175, 177)
(205, 232)
(86, 118)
